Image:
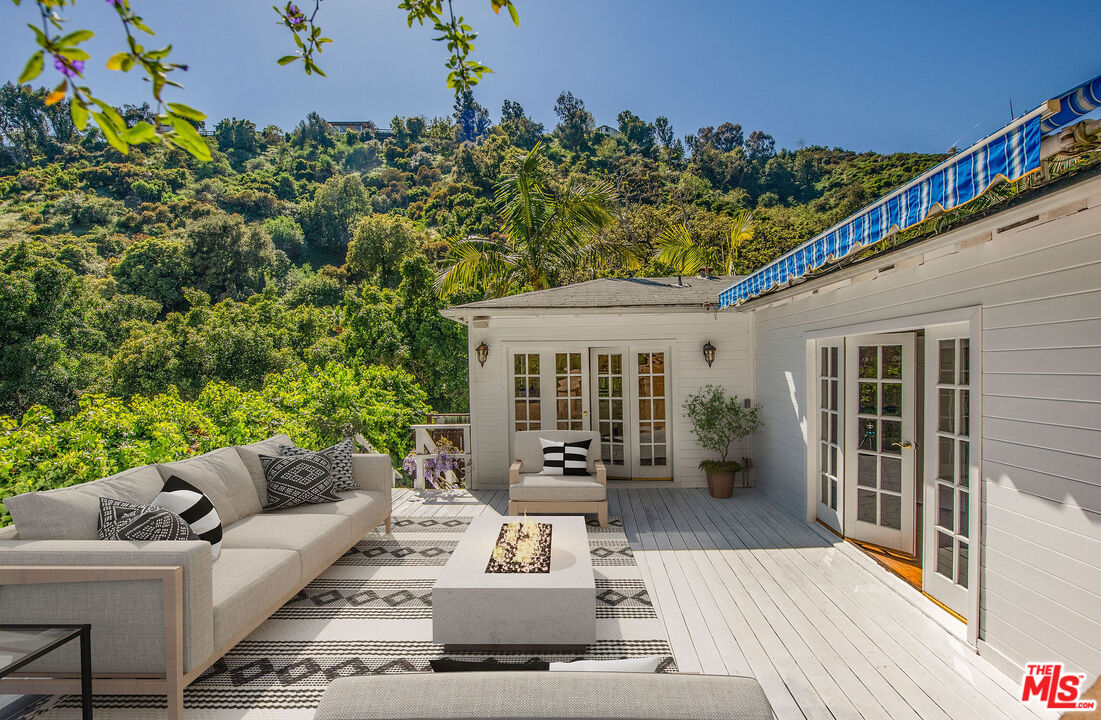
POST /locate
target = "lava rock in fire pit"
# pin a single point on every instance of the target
(522, 547)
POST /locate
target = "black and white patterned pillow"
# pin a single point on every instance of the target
(340, 457)
(187, 501)
(565, 458)
(124, 520)
(303, 480)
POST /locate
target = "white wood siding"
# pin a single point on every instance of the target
(684, 333)
(1039, 286)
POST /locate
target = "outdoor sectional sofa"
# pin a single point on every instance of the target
(162, 611)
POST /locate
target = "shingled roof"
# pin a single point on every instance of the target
(612, 293)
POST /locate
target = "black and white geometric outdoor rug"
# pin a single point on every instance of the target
(371, 612)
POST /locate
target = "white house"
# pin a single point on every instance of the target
(618, 354)
(940, 400)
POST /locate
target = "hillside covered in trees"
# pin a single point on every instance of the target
(303, 249)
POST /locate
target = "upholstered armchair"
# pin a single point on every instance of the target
(529, 491)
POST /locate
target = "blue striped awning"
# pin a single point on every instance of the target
(1009, 154)
(1073, 104)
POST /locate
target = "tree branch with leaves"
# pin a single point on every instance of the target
(174, 121)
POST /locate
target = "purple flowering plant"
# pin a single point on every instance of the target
(437, 465)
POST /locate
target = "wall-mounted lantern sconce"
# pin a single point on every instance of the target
(709, 353)
(483, 352)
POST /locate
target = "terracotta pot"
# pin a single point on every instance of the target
(720, 483)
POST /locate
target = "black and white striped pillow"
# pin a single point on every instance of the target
(565, 458)
(187, 501)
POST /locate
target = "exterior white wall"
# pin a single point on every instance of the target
(684, 332)
(1039, 286)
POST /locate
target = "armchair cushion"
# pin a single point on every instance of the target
(529, 451)
(558, 488)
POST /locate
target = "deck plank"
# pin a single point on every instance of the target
(743, 588)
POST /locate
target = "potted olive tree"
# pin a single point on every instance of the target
(718, 420)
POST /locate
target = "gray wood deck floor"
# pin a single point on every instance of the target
(745, 589)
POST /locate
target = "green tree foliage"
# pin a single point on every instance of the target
(286, 235)
(638, 133)
(156, 268)
(575, 123)
(405, 328)
(236, 342)
(332, 214)
(39, 451)
(378, 247)
(522, 131)
(471, 119)
(229, 259)
(130, 274)
(687, 254)
(543, 233)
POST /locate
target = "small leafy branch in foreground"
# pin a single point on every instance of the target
(306, 33)
(464, 73)
(175, 122)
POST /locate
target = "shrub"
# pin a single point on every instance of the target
(108, 434)
(718, 420)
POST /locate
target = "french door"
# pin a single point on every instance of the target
(624, 392)
(950, 475)
(549, 391)
(611, 407)
(831, 414)
(880, 491)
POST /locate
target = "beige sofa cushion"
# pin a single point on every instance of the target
(250, 455)
(365, 509)
(247, 583)
(72, 513)
(528, 450)
(316, 538)
(557, 488)
(222, 476)
(548, 695)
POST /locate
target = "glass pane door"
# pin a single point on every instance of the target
(830, 414)
(880, 476)
(526, 392)
(609, 378)
(948, 466)
(570, 410)
(653, 460)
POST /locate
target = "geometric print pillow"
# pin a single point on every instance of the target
(302, 480)
(124, 520)
(565, 458)
(340, 457)
(190, 503)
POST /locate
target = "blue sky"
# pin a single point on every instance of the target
(885, 76)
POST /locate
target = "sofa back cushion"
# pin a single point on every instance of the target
(529, 450)
(221, 475)
(250, 455)
(72, 513)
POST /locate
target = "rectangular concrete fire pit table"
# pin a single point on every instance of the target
(474, 608)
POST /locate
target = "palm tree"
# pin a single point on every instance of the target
(545, 234)
(687, 255)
